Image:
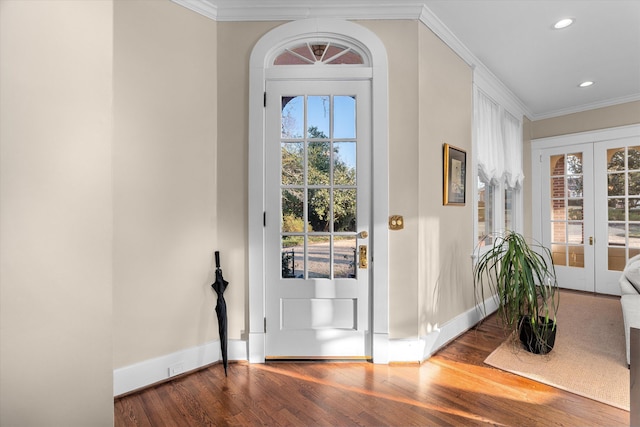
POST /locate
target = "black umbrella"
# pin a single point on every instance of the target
(221, 310)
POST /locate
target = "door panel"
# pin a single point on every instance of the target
(617, 172)
(317, 219)
(566, 203)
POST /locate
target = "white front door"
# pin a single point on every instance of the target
(590, 210)
(318, 199)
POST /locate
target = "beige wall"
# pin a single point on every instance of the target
(599, 118)
(235, 42)
(55, 213)
(445, 232)
(164, 165)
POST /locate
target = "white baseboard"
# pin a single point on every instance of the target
(417, 350)
(148, 372)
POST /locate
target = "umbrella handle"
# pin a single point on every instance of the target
(217, 259)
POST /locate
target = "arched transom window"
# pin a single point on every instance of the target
(319, 52)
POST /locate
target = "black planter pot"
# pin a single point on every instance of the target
(543, 342)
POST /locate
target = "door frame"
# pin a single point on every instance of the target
(591, 137)
(376, 72)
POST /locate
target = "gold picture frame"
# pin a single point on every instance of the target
(455, 175)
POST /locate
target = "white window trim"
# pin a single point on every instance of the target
(261, 70)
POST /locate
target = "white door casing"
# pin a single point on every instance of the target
(375, 71)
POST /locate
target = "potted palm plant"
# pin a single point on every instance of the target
(522, 278)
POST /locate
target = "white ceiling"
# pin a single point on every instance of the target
(513, 39)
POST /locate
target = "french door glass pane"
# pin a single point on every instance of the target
(634, 158)
(567, 213)
(623, 187)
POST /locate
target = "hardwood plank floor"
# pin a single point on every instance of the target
(452, 388)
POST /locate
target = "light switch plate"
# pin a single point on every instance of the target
(396, 222)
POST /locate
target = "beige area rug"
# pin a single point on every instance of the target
(589, 356)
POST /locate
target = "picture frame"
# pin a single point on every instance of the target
(455, 175)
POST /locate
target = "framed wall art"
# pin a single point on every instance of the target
(455, 174)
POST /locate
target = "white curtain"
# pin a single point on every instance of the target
(513, 175)
(490, 147)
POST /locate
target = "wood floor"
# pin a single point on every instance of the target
(452, 388)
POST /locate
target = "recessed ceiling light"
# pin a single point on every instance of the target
(563, 23)
(586, 84)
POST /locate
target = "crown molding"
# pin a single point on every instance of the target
(252, 10)
(586, 107)
(203, 7)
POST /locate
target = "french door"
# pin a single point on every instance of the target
(589, 199)
(318, 190)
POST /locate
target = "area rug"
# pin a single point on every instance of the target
(589, 356)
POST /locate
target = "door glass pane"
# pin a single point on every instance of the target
(319, 163)
(558, 252)
(292, 117)
(615, 159)
(576, 234)
(344, 163)
(557, 187)
(292, 163)
(634, 236)
(634, 209)
(558, 211)
(574, 164)
(575, 209)
(319, 209)
(344, 117)
(576, 256)
(344, 210)
(634, 158)
(559, 230)
(616, 260)
(557, 165)
(617, 234)
(615, 184)
(617, 210)
(318, 257)
(634, 184)
(318, 117)
(345, 264)
(292, 257)
(574, 185)
(292, 210)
